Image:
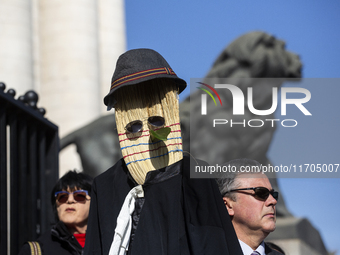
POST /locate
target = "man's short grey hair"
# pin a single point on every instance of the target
(229, 181)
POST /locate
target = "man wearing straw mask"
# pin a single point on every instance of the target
(146, 203)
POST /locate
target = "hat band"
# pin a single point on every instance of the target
(142, 74)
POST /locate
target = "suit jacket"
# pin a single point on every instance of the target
(270, 251)
(179, 216)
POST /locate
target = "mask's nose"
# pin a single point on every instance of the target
(160, 134)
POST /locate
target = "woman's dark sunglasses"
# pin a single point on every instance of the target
(78, 195)
(260, 192)
(137, 125)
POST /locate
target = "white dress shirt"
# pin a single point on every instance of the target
(247, 250)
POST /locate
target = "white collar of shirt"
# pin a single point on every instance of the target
(247, 250)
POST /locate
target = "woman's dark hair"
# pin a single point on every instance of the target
(72, 180)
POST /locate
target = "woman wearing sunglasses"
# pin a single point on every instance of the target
(70, 200)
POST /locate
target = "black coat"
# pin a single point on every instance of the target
(270, 251)
(179, 216)
(57, 241)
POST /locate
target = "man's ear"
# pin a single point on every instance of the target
(229, 205)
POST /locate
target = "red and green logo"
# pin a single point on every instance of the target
(209, 93)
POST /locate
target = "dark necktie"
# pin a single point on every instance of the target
(255, 253)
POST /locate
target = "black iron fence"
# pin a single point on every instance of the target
(29, 146)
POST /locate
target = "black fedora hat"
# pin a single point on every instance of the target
(140, 65)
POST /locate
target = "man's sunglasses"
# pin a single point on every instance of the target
(137, 125)
(78, 195)
(260, 192)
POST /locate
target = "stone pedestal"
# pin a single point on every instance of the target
(297, 236)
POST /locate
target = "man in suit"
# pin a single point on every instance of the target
(250, 201)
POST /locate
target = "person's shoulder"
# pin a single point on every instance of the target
(26, 249)
(189, 163)
(270, 251)
(201, 184)
(194, 160)
(116, 177)
(116, 169)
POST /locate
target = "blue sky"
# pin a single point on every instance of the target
(191, 34)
